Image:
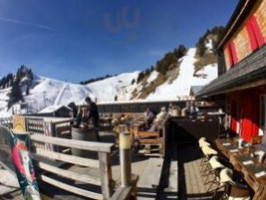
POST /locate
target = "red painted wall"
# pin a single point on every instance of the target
(247, 118)
(250, 116)
(233, 115)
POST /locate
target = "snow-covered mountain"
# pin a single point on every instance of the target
(123, 87)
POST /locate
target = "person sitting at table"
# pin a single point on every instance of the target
(158, 120)
(150, 115)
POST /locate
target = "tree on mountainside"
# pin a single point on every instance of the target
(96, 79)
(163, 65)
(201, 47)
(15, 95)
(216, 32)
(140, 76)
(6, 81)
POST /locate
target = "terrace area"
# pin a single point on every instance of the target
(179, 170)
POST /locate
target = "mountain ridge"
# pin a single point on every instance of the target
(170, 79)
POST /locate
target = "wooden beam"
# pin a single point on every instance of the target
(106, 174)
(247, 86)
(60, 129)
(122, 193)
(148, 141)
(147, 134)
(91, 146)
(72, 189)
(232, 25)
(68, 158)
(69, 174)
(128, 192)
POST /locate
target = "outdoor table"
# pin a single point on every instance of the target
(254, 172)
(227, 146)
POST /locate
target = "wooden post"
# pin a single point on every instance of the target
(106, 174)
(125, 158)
(51, 128)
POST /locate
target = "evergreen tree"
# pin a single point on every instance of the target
(140, 77)
(15, 95)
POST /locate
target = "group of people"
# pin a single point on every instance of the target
(82, 115)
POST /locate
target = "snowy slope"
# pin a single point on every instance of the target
(152, 76)
(181, 86)
(47, 92)
(120, 86)
(54, 92)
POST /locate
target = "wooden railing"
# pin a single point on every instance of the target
(49, 137)
(6, 121)
(103, 164)
(5, 150)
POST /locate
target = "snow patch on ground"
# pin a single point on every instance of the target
(209, 45)
(152, 76)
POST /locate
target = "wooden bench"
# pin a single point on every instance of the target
(157, 138)
(103, 179)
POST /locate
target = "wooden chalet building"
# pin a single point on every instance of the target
(241, 78)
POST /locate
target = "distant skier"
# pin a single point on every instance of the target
(94, 116)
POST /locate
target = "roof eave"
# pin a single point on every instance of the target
(241, 11)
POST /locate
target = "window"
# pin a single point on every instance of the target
(255, 37)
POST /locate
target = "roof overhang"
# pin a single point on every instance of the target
(248, 73)
(242, 10)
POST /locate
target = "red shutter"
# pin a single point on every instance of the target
(233, 52)
(251, 36)
(256, 30)
(231, 62)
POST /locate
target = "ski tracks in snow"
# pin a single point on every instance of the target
(60, 94)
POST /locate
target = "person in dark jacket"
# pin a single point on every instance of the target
(94, 116)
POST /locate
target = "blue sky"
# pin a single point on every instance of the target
(74, 40)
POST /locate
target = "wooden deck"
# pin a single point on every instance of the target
(176, 176)
(9, 187)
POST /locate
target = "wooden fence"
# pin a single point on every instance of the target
(5, 150)
(49, 138)
(103, 164)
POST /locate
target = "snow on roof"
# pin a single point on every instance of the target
(51, 109)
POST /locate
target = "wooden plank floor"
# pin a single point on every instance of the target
(150, 179)
(9, 187)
